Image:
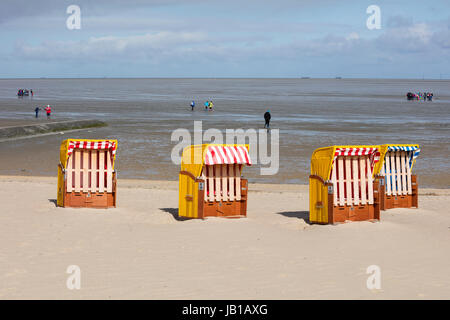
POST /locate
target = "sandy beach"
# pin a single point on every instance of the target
(142, 250)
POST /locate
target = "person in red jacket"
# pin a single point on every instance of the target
(48, 109)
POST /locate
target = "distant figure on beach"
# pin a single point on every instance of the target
(192, 105)
(206, 105)
(31, 91)
(37, 111)
(211, 105)
(48, 110)
(267, 117)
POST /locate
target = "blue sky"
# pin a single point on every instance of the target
(209, 38)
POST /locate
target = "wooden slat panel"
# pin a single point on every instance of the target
(210, 183)
(101, 171)
(399, 177)
(355, 170)
(348, 180)
(231, 181)
(225, 189)
(218, 178)
(362, 168)
(403, 167)
(94, 170)
(109, 172)
(69, 173)
(369, 181)
(387, 165)
(85, 170)
(333, 180)
(237, 174)
(340, 162)
(77, 155)
(408, 175)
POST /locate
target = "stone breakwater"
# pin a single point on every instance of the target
(48, 127)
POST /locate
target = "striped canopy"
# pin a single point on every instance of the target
(227, 155)
(100, 145)
(373, 153)
(414, 154)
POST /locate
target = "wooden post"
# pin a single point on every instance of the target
(362, 169)
(408, 174)
(387, 160)
(340, 161)
(85, 183)
(109, 171)
(355, 181)
(231, 181)
(369, 180)
(348, 180)
(77, 156)
(210, 183)
(217, 177)
(399, 177)
(402, 160)
(237, 174)
(393, 174)
(101, 171)
(94, 171)
(225, 189)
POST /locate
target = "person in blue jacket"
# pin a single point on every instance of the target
(192, 105)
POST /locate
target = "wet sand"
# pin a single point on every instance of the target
(143, 113)
(141, 250)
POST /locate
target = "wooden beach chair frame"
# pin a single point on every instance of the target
(336, 172)
(210, 184)
(86, 174)
(399, 186)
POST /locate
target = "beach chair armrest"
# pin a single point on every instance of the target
(324, 182)
(190, 175)
(62, 167)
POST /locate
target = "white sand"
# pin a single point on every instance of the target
(139, 250)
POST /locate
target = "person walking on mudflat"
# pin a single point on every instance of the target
(36, 110)
(48, 110)
(267, 117)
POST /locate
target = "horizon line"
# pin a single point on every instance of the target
(225, 78)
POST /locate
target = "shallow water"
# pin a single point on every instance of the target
(310, 113)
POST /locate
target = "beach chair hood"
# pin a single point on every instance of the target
(397, 147)
(68, 145)
(196, 156)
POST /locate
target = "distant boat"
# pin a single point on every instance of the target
(305, 78)
(338, 77)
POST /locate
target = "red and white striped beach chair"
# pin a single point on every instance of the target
(342, 186)
(86, 175)
(211, 184)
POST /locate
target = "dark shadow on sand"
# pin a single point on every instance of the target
(304, 215)
(54, 202)
(174, 213)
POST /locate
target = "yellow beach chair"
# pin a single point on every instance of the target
(210, 183)
(341, 184)
(86, 175)
(399, 187)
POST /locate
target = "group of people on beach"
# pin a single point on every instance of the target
(420, 96)
(25, 92)
(208, 105)
(47, 109)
